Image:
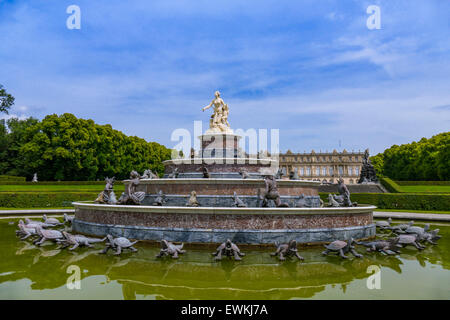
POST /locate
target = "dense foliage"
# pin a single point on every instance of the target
(427, 159)
(67, 148)
(6, 100)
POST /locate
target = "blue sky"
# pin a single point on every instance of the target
(309, 68)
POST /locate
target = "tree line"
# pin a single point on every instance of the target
(64, 147)
(427, 159)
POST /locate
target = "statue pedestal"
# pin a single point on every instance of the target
(219, 145)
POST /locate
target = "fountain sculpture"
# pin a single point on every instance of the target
(221, 193)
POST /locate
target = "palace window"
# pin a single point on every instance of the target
(324, 171)
(317, 171)
(302, 171)
(308, 171)
(330, 171)
(350, 171)
(356, 171)
(341, 170)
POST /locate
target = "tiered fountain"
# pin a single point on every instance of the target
(219, 171)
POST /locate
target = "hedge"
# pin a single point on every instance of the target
(404, 201)
(60, 183)
(5, 178)
(390, 185)
(423, 183)
(43, 199)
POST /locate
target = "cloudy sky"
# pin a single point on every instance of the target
(309, 68)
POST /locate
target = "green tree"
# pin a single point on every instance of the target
(3, 146)
(12, 135)
(67, 148)
(427, 159)
(6, 100)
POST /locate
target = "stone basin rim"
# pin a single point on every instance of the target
(225, 210)
(224, 181)
(221, 160)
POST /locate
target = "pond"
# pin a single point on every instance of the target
(31, 272)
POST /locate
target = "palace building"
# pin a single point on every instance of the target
(326, 167)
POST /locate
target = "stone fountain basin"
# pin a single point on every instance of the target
(253, 226)
(226, 187)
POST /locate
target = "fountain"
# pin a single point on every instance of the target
(233, 196)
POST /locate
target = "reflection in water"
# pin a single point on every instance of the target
(196, 275)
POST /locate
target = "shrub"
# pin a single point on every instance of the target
(404, 201)
(390, 185)
(43, 199)
(4, 178)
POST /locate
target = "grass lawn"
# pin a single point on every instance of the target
(413, 211)
(55, 188)
(425, 189)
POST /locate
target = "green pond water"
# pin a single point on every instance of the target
(30, 272)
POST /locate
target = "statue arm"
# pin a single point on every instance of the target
(208, 106)
(267, 186)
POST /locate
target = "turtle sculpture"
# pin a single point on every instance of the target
(160, 199)
(44, 235)
(51, 220)
(400, 228)
(77, 240)
(385, 246)
(287, 250)
(384, 224)
(170, 249)
(173, 174)
(228, 249)
(118, 244)
(238, 202)
(244, 173)
(409, 239)
(331, 201)
(430, 237)
(24, 232)
(417, 230)
(68, 219)
(193, 202)
(342, 247)
(33, 224)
